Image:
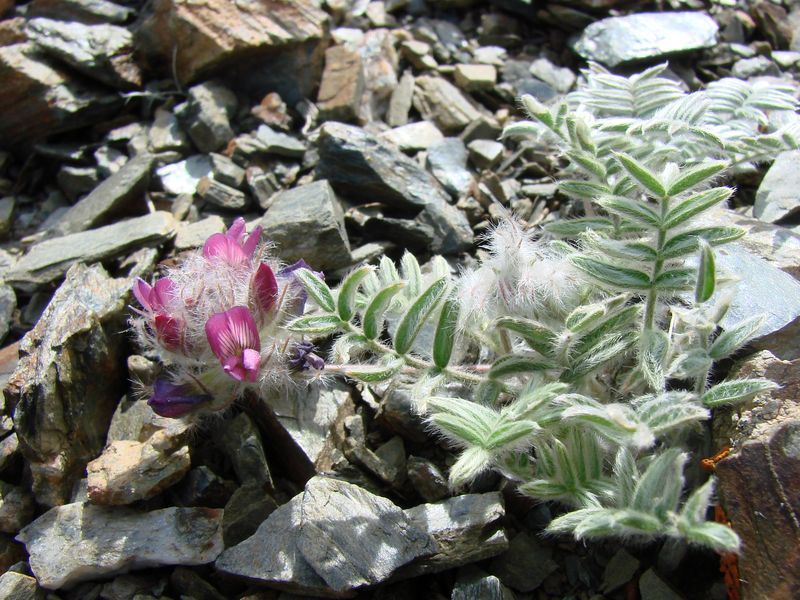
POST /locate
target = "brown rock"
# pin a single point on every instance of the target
(440, 101)
(128, 471)
(70, 375)
(760, 482)
(16, 507)
(12, 31)
(266, 45)
(40, 100)
(5, 6)
(10, 552)
(342, 85)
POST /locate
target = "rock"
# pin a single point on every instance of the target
(762, 289)
(272, 110)
(83, 11)
(561, 79)
(134, 420)
(240, 440)
(182, 177)
(482, 128)
(221, 195)
(189, 584)
(418, 54)
(281, 144)
(401, 101)
(380, 72)
(342, 85)
(475, 78)
(203, 487)
(306, 426)
(103, 52)
(525, 565)
(474, 584)
(166, 134)
(73, 353)
(80, 542)
(41, 100)
(261, 46)
(16, 508)
(16, 586)
(77, 181)
(206, 115)
(410, 233)
(11, 553)
(490, 55)
(194, 235)
(303, 546)
(619, 570)
(9, 451)
(427, 479)
(307, 222)
(757, 482)
(362, 456)
(485, 154)
(646, 36)
(776, 197)
(414, 136)
(12, 30)
(128, 471)
(754, 67)
(47, 261)
(440, 101)
(7, 205)
(396, 413)
(249, 506)
(652, 587)
(447, 160)
(8, 304)
(465, 529)
(226, 171)
(122, 193)
(359, 165)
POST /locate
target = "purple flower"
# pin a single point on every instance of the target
(156, 301)
(174, 401)
(300, 294)
(303, 357)
(233, 337)
(233, 246)
(264, 289)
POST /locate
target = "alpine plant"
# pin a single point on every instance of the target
(575, 360)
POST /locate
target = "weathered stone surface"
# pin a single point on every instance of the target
(360, 166)
(401, 101)
(202, 487)
(194, 235)
(758, 481)
(440, 101)
(474, 78)
(226, 171)
(306, 426)
(16, 507)
(525, 565)
(206, 115)
(474, 584)
(11, 552)
(47, 261)
(182, 177)
(122, 193)
(41, 100)
(189, 584)
(134, 420)
(653, 587)
(561, 79)
(166, 134)
(269, 45)
(103, 52)
(128, 471)
(334, 537)
(465, 529)
(777, 196)
(16, 586)
(221, 195)
(485, 154)
(427, 479)
(342, 85)
(79, 542)
(308, 222)
(275, 142)
(8, 304)
(74, 353)
(620, 570)
(447, 160)
(83, 11)
(646, 36)
(249, 506)
(240, 440)
(414, 136)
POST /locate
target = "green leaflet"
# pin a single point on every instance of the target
(677, 280)
(687, 242)
(583, 190)
(588, 163)
(706, 274)
(646, 178)
(377, 373)
(317, 289)
(537, 336)
(695, 204)
(516, 364)
(412, 322)
(373, 315)
(737, 390)
(347, 292)
(571, 228)
(611, 275)
(445, 335)
(317, 324)
(696, 175)
(630, 209)
(730, 340)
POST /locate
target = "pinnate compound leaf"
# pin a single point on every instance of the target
(730, 340)
(735, 391)
(695, 175)
(445, 335)
(611, 275)
(345, 303)
(644, 176)
(373, 315)
(317, 289)
(695, 204)
(412, 322)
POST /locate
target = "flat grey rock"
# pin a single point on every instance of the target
(447, 160)
(240, 440)
(777, 196)
(206, 115)
(525, 565)
(474, 584)
(194, 235)
(652, 587)
(440, 101)
(182, 177)
(308, 222)
(47, 261)
(80, 542)
(16, 586)
(646, 36)
(276, 142)
(84, 11)
(8, 304)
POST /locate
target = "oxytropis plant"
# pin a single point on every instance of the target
(575, 360)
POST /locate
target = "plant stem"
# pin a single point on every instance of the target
(652, 294)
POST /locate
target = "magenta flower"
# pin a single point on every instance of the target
(174, 401)
(156, 301)
(233, 337)
(264, 289)
(233, 246)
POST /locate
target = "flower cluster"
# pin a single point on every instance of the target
(216, 323)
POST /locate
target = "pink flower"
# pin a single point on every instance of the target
(233, 246)
(156, 301)
(234, 340)
(264, 289)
